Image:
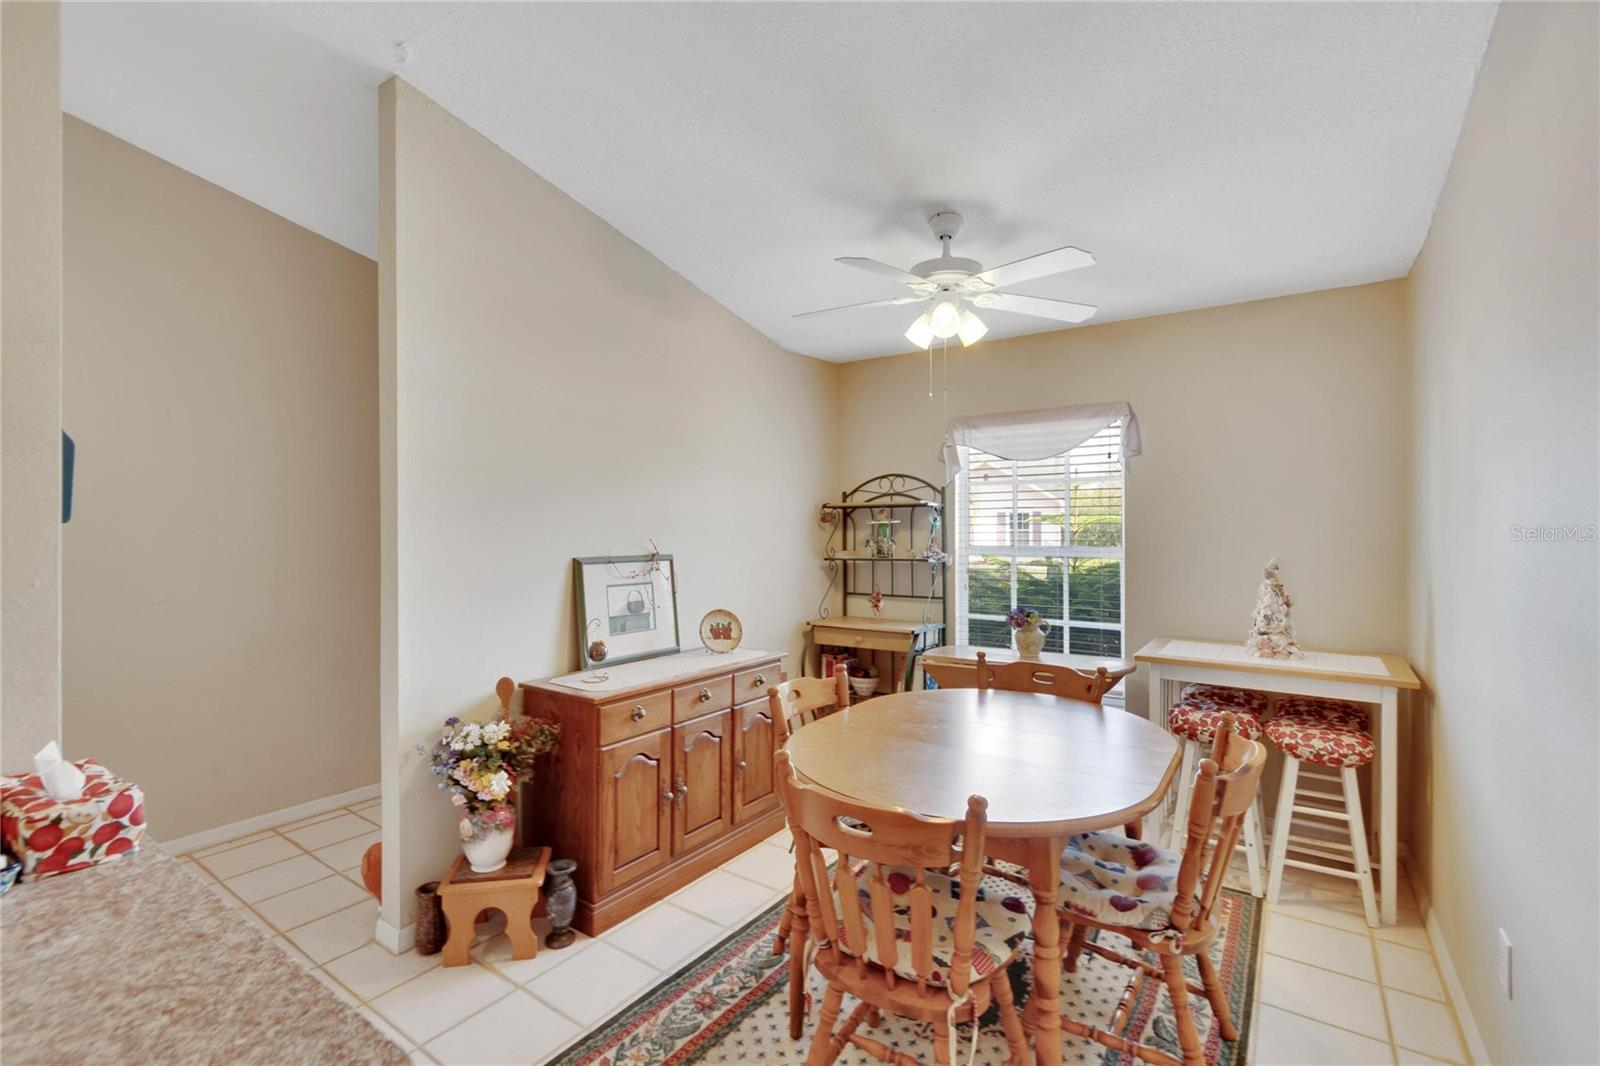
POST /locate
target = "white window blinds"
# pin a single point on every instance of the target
(1046, 535)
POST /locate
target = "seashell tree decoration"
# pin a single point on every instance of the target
(1271, 629)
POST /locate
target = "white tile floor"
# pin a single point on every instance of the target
(300, 883)
(1331, 990)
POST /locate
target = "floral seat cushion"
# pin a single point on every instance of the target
(1004, 920)
(1199, 721)
(1338, 713)
(1118, 881)
(1323, 741)
(1222, 698)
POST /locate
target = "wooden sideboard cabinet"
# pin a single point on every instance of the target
(665, 772)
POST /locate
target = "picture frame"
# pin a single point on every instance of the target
(628, 603)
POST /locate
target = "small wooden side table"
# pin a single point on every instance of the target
(513, 890)
(904, 641)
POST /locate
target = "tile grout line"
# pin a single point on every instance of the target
(423, 1046)
(1383, 999)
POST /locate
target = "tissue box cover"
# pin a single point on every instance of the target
(54, 836)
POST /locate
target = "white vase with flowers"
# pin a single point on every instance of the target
(1030, 627)
(480, 765)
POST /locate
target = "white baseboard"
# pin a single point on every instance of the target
(395, 940)
(1447, 968)
(233, 830)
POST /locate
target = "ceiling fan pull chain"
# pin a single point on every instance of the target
(946, 377)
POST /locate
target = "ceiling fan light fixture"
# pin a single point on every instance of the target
(945, 319)
(972, 328)
(921, 331)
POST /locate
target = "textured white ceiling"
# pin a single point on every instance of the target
(1205, 153)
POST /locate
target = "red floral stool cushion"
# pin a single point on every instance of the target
(1328, 712)
(1229, 699)
(1193, 721)
(1199, 711)
(55, 836)
(1323, 741)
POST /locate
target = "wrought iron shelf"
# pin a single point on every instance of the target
(914, 509)
(863, 557)
(881, 505)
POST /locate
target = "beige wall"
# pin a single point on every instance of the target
(221, 570)
(1272, 428)
(555, 391)
(1503, 631)
(30, 370)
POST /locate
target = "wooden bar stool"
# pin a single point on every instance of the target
(1194, 720)
(1331, 736)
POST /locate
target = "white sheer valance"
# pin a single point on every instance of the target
(1036, 434)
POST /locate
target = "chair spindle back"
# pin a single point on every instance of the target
(1063, 681)
(1224, 786)
(875, 844)
(802, 700)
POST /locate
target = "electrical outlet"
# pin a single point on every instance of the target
(1503, 970)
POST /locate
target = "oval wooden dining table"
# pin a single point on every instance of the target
(1049, 767)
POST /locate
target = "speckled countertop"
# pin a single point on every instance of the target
(136, 961)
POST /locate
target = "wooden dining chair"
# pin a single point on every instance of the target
(1064, 681)
(803, 700)
(894, 928)
(797, 703)
(1164, 901)
(950, 674)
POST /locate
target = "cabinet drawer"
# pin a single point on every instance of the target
(752, 684)
(838, 637)
(635, 717)
(702, 697)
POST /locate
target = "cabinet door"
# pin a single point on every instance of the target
(702, 754)
(635, 808)
(753, 791)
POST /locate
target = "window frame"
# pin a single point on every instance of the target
(1016, 551)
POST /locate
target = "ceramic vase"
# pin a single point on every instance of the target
(487, 852)
(1030, 641)
(560, 903)
(430, 932)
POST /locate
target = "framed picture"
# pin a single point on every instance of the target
(627, 608)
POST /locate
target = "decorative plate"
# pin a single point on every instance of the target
(721, 631)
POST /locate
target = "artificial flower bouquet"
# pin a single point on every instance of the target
(480, 765)
(1022, 618)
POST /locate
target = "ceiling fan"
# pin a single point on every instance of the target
(949, 280)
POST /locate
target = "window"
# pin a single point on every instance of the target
(1046, 535)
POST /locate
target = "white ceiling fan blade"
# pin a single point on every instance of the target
(892, 302)
(1042, 265)
(1063, 310)
(872, 266)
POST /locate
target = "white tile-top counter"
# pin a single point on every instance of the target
(1377, 669)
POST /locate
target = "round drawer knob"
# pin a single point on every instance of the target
(639, 713)
(705, 695)
(761, 679)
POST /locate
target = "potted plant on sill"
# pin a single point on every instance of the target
(480, 766)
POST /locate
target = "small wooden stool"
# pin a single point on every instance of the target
(513, 890)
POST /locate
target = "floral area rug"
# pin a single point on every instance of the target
(731, 1005)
